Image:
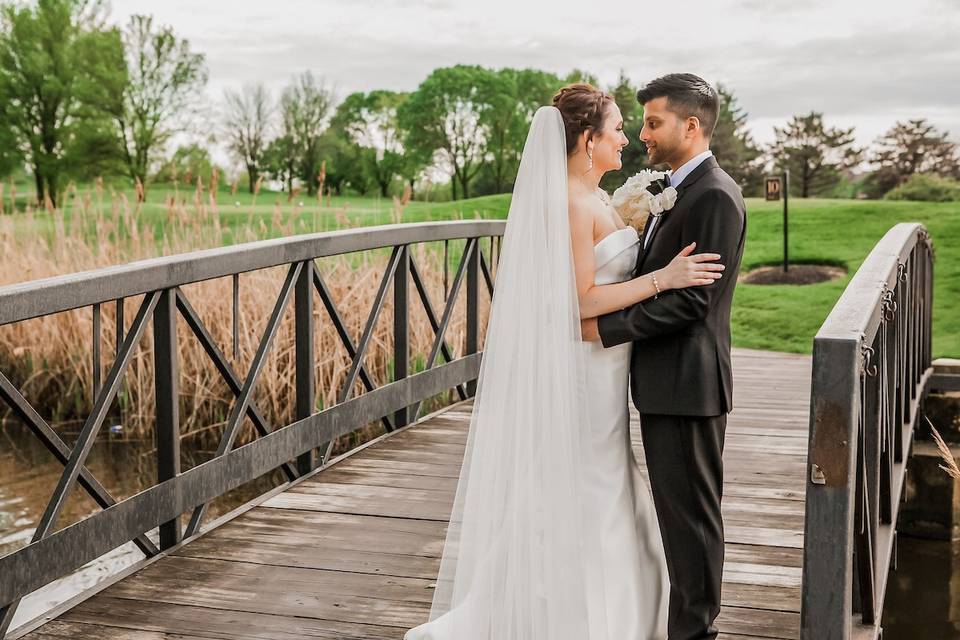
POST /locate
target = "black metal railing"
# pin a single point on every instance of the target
(53, 554)
(871, 370)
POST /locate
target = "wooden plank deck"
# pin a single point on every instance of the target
(351, 552)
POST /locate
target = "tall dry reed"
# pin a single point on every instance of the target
(50, 358)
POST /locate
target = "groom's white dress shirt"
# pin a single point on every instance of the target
(676, 177)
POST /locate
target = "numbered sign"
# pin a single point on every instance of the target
(773, 189)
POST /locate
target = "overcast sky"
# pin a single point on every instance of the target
(864, 63)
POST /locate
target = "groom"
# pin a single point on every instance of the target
(681, 378)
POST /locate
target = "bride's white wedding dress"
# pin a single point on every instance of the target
(628, 581)
(552, 535)
(626, 586)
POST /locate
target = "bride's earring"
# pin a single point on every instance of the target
(590, 158)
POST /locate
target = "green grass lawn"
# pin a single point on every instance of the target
(838, 232)
(841, 232)
(783, 318)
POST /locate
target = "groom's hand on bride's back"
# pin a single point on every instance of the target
(689, 270)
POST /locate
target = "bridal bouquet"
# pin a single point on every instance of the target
(643, 195)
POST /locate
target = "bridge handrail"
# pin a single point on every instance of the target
(871, 367)
(32, 299)
(53, 554)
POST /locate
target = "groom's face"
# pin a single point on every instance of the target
(663, 132)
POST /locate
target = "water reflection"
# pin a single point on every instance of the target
(923, 596)
(29, 474)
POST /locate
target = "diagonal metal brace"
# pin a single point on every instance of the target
(239, 409)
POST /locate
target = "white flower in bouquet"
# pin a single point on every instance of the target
(643, 195)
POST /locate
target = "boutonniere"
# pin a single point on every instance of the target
(642, 196)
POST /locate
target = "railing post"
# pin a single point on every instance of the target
(401, 333)
(473, 307)
(167, 397)
(303, 320)
(825, 610)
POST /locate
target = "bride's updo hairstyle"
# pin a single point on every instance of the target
(583, 108)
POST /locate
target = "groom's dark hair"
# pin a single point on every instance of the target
(687, 95)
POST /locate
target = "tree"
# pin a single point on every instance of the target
(732, 144)
(579, 75)
(370, 122)
(445, 117)
(51, 59)
(344, 165)
(188, 163)
(305, 107)
(280, 160)
(246, 120)
(512, 96)
(505, 117)
(909, 148)
(814, 154)
(163, 80)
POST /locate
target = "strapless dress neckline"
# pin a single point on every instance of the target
(613, 244)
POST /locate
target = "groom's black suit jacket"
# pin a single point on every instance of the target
(681, 352)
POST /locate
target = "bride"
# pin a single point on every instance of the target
(553, 535)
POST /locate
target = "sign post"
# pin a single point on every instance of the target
(774, 188)
(786, 227)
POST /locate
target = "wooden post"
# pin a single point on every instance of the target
(473, 306)
(401, 333)
(168, 409)
(303, 320)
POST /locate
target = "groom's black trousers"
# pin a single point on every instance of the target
(685, 464)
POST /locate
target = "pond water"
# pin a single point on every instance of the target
(923, 597)
(29, 473)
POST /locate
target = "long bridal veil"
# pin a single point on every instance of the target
(514, 566)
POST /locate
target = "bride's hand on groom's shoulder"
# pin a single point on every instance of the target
(690, 270)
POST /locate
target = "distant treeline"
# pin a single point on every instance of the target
(80, 98)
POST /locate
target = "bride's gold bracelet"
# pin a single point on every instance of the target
(656, 285)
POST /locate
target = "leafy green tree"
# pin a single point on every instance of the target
(505, 119)
(10, 157)
(306, 107)
(188, 163)
(415, 161)
(281, 160)
(370, 122)
(246, 122)
(156, 96)
(344, 163)
(733, 146)
(52, 57)
(512, 97)
(579, 75)
(910, 148)
(814, 153)
(445, 117)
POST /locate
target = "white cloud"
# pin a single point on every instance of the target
(864, 63)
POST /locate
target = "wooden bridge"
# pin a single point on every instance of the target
(350, 548)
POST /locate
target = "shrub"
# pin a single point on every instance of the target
(926, 187)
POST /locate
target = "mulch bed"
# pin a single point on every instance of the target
(796, 274)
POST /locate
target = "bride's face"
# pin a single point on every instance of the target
(608, 145)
